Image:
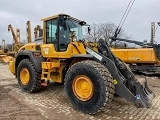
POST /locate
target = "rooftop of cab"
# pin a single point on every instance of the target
(57, 15)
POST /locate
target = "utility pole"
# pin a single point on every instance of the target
(152, 32)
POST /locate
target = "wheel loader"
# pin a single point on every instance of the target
(8, 55)
(16, 39)
(3, 48)
(4, 53)
(145, 60)
(90, 72)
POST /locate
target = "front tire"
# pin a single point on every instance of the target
(89, 86)
(28, 78)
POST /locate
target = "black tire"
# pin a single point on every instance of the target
(102, 83)
(34, 83)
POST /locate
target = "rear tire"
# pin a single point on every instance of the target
(33, 83)
(101, 80)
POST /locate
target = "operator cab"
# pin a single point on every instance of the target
(61, 30)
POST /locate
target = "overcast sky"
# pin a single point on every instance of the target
(138, 22)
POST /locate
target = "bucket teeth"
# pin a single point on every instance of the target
(144, 95)
(142, 81)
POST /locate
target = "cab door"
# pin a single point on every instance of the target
(49, 50)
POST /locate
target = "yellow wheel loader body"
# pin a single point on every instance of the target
(87, 70)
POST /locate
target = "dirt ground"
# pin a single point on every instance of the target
(51, 103)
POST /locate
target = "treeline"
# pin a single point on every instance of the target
(105, 31)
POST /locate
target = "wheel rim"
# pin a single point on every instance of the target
(24, 76)
(82, 87)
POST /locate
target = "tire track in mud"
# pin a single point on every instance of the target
(12, 108)
(52, 103)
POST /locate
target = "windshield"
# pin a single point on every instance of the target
(75, 26)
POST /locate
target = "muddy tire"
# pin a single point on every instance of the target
(99, 82)
(31, 78)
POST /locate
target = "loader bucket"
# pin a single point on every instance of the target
(133, 90)
(126, 85)
(7, 59)
(144, 95)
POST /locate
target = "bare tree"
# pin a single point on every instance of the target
(104, 31)
(94, 33)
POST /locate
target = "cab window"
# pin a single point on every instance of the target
(51, 36)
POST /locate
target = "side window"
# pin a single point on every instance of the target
(76, 31)
(63, 36)
(51, 35)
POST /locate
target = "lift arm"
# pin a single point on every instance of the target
(126, 84)
(18, 34)
(131, 41)
(10, 28)
(37, 30)
(28, 28)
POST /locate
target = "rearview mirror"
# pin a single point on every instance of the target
(89, 30)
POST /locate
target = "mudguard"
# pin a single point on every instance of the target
(36, 60)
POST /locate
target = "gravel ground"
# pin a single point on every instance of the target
(51, 103)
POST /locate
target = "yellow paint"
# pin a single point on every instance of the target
(44, 32)
(83, 88)
(51, 17)
(55, 16)
(24, 76)
(49, 51)
(28, 29)
(74, 48)
(6, 59)
(139, 55)
(1, 52)
(55, 63)
(53, 66)
(12, 66)
(115, 82)
(58, 78)
(28, 46)
(49, 70)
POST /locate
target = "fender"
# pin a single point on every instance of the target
(36, 60)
